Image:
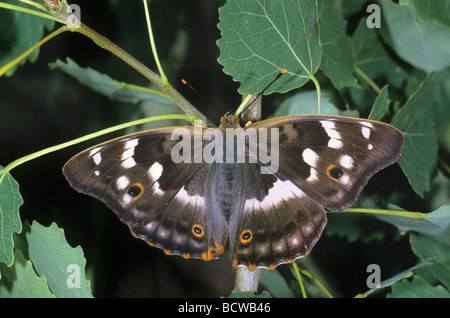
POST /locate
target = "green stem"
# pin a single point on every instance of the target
(45, 151)
(405, 214)
(153, 46)
(143, 89)
(34, 4)
(316, 83)
(243, 104)
(31, 11)
(299, 278)
(22, 56)
(106, 44)
(368, 80)
(318, 283)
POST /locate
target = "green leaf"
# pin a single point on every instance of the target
(306, 103)
(425, 248)
(276, 283)
(54, 258)
(260, 38)
(10, 201)
(435, 224)
(337, 59)
(422, 44)
(436, 11)
(417, 288)
(419, 156)
(105, 85)
(21, 281)
(23, 31)
(372, 58)
(380, 107)
(397, 278)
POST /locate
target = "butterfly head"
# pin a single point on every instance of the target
(229, 120)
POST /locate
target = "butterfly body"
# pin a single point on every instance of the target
(266, 201)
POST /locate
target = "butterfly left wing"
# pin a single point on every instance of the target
(331, 158)
(275, 223)
(163, 202)
(319, 161)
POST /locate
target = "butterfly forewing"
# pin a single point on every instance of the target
(332, 158)
(163, 202)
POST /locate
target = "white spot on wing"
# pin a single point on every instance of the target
(155, 171)
(126, 199)
(185, 198)
(310, 157)
(344, 179)
(94, 151)
(129, 163)
(366, 123)
(129, 148)
(313, 177)
(280, 191)
(370, 146)
(97, 158)
(346, 161)
(156, 189)
(131, 143)
(122, 182)
(335, 143)
(330, 129)
(365, 132)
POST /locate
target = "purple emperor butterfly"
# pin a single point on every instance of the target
(270, 216)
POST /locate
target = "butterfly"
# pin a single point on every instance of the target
(160, 183)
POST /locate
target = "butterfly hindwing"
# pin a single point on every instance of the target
(275, 223)
(165, 203)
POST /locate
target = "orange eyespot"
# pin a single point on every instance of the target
(136, 190)
(334, 172)
(246, 236)
(197, 230)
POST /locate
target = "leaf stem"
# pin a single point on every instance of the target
(368, 80)
(22, 56)
(243, 104)
(299, 278)
(106, 44)
(34, 4)
(31, 11)
(45, 151)
(321, 286)
(164, 80)
(316, 83)
(414, 215)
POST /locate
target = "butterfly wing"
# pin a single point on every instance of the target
(332, 158)
(163, 202)
(275, 223)
(318, 161)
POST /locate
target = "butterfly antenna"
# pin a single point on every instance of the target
(198, 93)
(257, 96)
